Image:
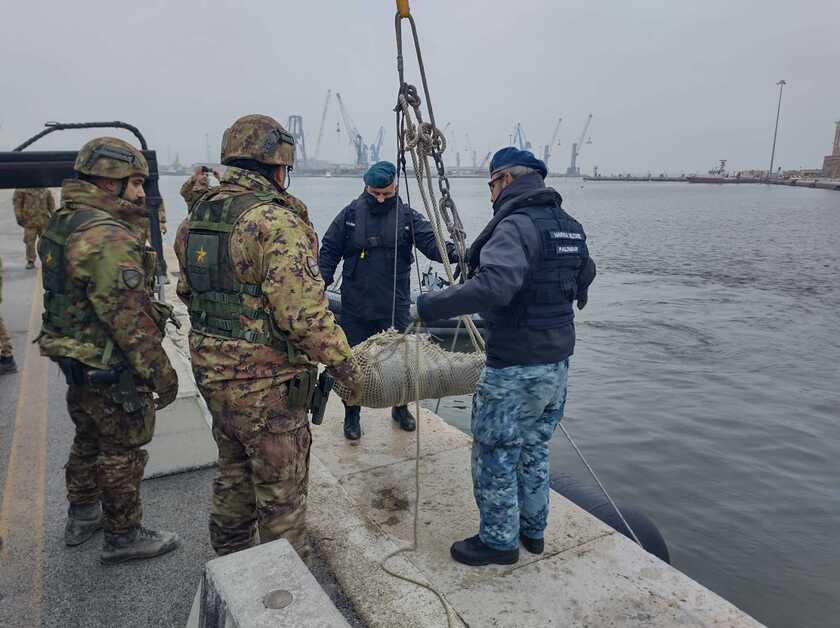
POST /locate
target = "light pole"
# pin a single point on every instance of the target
(781, 85)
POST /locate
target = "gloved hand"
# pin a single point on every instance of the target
(166, 397)
(582, 298)
(350, 377)
(167, 389)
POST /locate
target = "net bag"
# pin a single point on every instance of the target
(388, 363)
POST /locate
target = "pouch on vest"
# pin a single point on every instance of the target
(202, 260)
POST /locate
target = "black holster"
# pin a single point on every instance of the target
(311, 391)
(119, 381)
(301, 387)
(320, 397)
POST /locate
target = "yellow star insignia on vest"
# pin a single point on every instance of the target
(49, 259)
(200, 254)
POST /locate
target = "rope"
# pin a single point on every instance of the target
(400, 161)
(416, 523)
(423, 140)
(601, 486)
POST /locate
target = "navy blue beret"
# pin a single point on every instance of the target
(381, 174)
(512, 156)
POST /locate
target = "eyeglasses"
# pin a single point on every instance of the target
(493, 182)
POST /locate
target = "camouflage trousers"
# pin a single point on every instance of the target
(30, 239)
(263, 468)
(106, 460)
(5, 341)
(514, 413)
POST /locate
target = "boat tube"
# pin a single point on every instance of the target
(442, 328)
(593, 501)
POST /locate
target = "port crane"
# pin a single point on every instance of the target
(519, 138)
(485, 160)
(295, 128)
(376, 147)
(469, 148)
(550, 145)
(353, 133)
(452, 143)
(573, 170)
(323, 120)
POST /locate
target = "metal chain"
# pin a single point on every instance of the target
(419, 140)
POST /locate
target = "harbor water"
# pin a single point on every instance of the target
(705, 387)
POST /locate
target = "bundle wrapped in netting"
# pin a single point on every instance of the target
(395, 366)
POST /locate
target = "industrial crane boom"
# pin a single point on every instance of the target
(353, 133)
(377, 145)
(573, 169)
(550, 145)
(519, 138)
(323, 119)
(585, 129)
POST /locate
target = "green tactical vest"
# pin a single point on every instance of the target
(217, 300)
(67, 310)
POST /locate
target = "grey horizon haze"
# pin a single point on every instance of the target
(672, 86)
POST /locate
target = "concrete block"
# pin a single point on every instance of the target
(182, 440)
(267, 585)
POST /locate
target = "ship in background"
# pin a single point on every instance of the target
(716, 175)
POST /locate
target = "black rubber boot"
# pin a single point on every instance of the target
(137, 544)
(352, 426)
(83, 521)
(7, 365)
(473, 552)
(535, 546)
(402, 416)
(30, 265)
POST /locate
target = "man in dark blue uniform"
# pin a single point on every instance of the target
(527, 267)
(374, 236)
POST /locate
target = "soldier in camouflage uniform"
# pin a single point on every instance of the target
(33, 209)
(103, 328)
(260, 325)
(7, 360)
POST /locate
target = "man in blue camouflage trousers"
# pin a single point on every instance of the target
(527, 268)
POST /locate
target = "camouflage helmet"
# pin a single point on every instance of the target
(260, 138)
(111, 158)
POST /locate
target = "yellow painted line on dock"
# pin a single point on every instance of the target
(24, 493)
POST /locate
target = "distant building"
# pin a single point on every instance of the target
(831, 164)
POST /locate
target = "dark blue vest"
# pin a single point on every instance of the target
(371, 240)
(545, 301)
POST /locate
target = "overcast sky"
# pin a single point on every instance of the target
(672, 85)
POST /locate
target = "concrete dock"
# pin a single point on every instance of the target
(361, 504)
(820, 184)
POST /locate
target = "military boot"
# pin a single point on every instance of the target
(137, 544)
(402, 416)
(473, 552)
(83, 521)
(7, 364)
(352, 426)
